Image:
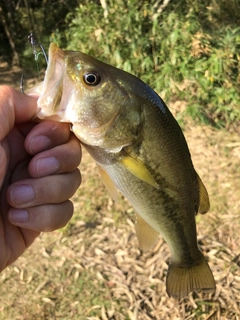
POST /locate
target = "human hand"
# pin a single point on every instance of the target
(38, 174)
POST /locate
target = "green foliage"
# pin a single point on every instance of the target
(19, 18)
(188, 50)
(184, 49)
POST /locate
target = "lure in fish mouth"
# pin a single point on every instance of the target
(140, 150)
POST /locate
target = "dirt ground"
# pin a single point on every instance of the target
(93, 268)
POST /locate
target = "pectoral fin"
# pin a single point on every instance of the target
(147, 236)
(138, 169)
(107, 181)
(204, 204)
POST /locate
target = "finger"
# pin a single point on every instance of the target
(20, 172)
(51, 189)
(16, 148)
(15, 241)
(46, 135)
(42, 218)
(18, 241)
(61, 159)
(29, 236)
(15, 107)
(4, 159)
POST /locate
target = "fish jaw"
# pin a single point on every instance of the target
(52, 86)
(58, 94)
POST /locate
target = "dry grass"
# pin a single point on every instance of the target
(93, 268)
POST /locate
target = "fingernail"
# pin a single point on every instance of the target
(22, 194)
(47, 166)
(18, 215)
(39, 143)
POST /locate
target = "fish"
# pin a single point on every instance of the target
(140, 150)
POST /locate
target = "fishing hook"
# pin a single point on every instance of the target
(33, 40)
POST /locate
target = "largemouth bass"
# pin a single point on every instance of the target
(140, 150)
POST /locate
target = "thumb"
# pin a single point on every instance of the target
(15, 107)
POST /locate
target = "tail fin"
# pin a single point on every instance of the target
(183, 280)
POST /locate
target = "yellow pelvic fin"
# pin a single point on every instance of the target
(183, 280)
(147, 236)
(204, 204)
(138, 169)
(107, 181)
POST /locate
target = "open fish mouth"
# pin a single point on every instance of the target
(52, 87)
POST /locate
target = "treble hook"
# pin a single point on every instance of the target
(33, 40)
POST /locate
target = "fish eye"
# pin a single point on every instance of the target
(92, 78)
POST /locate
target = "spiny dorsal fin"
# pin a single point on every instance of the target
(204, 204)
(107, 181)
(147, 236)
(138, 169)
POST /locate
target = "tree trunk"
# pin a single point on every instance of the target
(15, 58)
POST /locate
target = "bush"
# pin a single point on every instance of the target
(185, 50)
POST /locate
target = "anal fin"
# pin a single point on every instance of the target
(147, 236)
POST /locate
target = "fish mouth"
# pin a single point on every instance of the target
(52, 87)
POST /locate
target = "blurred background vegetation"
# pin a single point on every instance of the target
(186, 50)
